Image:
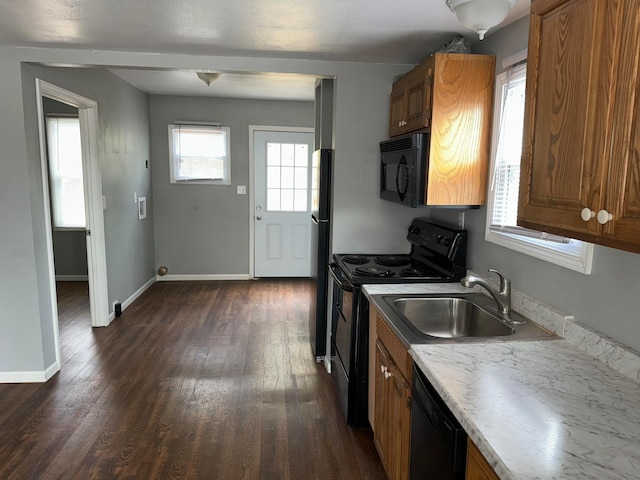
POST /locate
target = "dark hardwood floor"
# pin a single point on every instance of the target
(198, 380)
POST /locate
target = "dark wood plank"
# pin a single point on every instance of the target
(198, 380)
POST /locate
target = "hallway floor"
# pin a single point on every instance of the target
(196, 380)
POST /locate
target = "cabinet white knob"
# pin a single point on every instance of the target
(587, 214)
(604, 217)
(383, 368)
(387, 374)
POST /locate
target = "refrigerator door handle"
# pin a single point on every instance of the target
(317, 221)
(344, 286)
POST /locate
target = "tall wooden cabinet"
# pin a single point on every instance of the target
(392, 417)
(580, 173)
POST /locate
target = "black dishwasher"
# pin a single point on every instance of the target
(438, 442)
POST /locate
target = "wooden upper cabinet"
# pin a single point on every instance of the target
(450, 97)
(581, 122)
(411, 101)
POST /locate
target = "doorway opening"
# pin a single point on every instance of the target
(87, 115)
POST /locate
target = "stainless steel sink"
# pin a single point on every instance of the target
(451, 318)
(455, 318)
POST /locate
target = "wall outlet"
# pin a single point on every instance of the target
(117, 308)
(242, 189)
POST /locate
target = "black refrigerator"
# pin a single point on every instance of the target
(321, 181)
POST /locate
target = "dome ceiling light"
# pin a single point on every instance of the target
(208, 77)
(480, 15)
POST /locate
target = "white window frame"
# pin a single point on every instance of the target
(574, 255)
(214, 128)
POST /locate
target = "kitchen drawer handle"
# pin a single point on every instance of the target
(344, 286)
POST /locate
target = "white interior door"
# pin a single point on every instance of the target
(282, 194)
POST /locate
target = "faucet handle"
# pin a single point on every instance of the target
(505, 283)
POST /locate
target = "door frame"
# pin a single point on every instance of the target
(252, 130)
(92, 182)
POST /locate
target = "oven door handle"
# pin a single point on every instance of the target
(347, 287)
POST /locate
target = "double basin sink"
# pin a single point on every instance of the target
(454, 318)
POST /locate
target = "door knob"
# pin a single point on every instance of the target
(258, 217)
(604, 217)
(587, 214)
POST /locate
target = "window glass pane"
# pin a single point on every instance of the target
(509, 149)
(302, 155)
(65, 172)
(273, 153)
(199, 153)
(301, 174)
(288, 154)
(300, 200)
(286, 199)
(273, 199)
(287, 177)
(273, 177)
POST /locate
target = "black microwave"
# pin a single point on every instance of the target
(403, 171)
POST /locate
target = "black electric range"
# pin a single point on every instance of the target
(438, 254)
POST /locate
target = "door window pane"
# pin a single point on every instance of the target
(287, 177)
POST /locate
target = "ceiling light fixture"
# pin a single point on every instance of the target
(480, 15)
(208, 77)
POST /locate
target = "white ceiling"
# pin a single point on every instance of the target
(336, 30)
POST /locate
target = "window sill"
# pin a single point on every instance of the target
(577, 257)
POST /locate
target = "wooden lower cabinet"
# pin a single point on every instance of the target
(392, 417)
(477, 466)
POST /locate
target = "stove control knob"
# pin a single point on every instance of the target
(446, 242)
(440, 240)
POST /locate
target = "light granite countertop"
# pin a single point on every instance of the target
(535, 409)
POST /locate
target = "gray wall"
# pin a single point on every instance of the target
(204, 229)
(604, 300)
(69, 247)
(123, 149)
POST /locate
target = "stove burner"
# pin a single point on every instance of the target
(393, 260)
(355, 259)
(374, 271)
(416, 272)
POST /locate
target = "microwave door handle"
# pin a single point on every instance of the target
(402, 166)
(343, 286)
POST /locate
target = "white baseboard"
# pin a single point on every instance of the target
(72, 278)
(133, 297)
(191, 278)
(30, 377)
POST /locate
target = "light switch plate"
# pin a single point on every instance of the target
(242, 189)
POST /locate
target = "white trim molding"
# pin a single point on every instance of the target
(72, 278)
(200, 277)
(134, 296)
(31, 376)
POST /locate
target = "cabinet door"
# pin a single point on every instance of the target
(381, 427)
(418, 96)
(477, 466)
(399, 411)
(623, 185)
(567, 114)
(397, 108)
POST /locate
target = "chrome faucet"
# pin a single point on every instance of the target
(502, 297)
